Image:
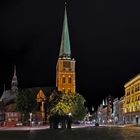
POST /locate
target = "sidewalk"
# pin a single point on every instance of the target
(23, 128)
(132, 126)
(123, 126)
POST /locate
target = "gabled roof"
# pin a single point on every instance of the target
(8, 96)
(131, 81)
(46, 90)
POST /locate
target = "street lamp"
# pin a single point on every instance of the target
(31, 119)
(69, 120)
(137, 119)
(70, 114)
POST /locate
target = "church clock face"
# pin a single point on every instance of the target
(66, 64)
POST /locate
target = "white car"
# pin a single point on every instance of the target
(19, 124)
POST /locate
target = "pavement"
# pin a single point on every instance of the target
(123, 126)
(27, 128)
(24, 128)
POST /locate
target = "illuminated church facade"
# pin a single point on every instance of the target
(65, 79)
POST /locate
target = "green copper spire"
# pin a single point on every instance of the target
(65, 50)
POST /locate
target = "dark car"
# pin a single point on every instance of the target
(96, 124)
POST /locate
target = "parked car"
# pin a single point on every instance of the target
(96, 124)
(19, 124)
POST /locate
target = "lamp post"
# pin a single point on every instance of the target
(31, 119)
(69, 120)
(70, 114)
(23, 117)
(137, 119)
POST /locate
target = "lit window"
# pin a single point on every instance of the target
(69, 80)
(63, 80)
(7, 114)
(9, 119)
(63, 89)
(15, 114)
(69, 90)
(132, 91)
(128, 92)
(11, 114)
(138, 87)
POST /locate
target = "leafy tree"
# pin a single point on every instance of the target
(26, 102)
(54, 99)
(70, 103)
(80, 110)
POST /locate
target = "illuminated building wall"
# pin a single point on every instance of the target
(109, 107)
(66, 76)
(116, 110)
(132, 100)
(121, 111)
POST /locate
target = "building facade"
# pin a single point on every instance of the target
(105, 111)
(99, 114)
(12, 118)
(65, 69)
(132, 101)
(118, 114)
(102, 117)
(109, 108)
(121, 111)
(1, 113)
(8, 98)
(116, 111)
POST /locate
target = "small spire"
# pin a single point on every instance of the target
(14, 69)
(14, 82)
(103, 103)
(92, 108)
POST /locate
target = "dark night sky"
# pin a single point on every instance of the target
(105, 41)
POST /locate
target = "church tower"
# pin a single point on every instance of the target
(65, 69)
(14, 83)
